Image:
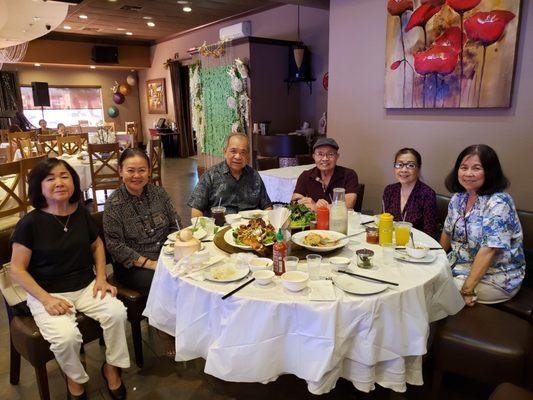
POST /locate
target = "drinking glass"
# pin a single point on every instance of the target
(387, 253)
(313, 266)
(402, 230)
(354, 221)
(218, 213)
(291, 263)
(209, 226)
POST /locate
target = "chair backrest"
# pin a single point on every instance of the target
(84, 137)
(3, 135)
(21, 141)
(73, 130)
(155, 159)
(526, 220)
(48, 145)
(442, 209)
(126, 140)
(304, 159)
(11, 202)
(26, 165)
(267, 163)
(83, 122)
(360, 191)
(68, 144)
(110, 125)
(104, 165)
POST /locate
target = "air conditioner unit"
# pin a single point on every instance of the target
(242, 29)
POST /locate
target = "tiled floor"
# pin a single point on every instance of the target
(162, 378)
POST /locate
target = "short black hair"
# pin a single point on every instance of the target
(40, 172)
(132, 152)
(495, 180)
(407, 150)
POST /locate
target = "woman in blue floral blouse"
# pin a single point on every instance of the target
(482, 229)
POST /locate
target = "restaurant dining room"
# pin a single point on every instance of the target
(190, 208)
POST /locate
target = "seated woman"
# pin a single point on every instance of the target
(54, 250)
(138, 217)
(61, 129)
(482, 229)
(410, 199)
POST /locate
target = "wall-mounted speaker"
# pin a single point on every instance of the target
(105, 54)
(41, 96)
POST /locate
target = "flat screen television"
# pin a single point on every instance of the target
(161, 123)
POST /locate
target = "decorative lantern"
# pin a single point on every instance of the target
(112, 112)
(118, 98)
(124, 88)
(131, 80)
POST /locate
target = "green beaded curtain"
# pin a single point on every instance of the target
(218, 117)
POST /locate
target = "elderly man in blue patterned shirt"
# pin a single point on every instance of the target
(233, 182)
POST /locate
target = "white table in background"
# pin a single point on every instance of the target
(261, 333)
(280, 182)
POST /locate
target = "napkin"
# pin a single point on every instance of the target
(321, 291)
(278, 217)
(189, 265)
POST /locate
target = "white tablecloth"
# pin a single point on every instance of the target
(261, 333)
(280, 182)
(83, 169)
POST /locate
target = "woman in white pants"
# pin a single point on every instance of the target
(59, 260)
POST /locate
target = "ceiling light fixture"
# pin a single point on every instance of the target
(92, 67)
(183, 2)
(67, 27)
(37, 64)
(82, 16)
(187, 9)
(121, 29)
(129, 33)
(150, 24)
(147, 17)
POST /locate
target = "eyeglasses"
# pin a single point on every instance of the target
(409, 165)
(326, 155)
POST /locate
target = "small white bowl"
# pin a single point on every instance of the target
(417, 252)
(260, 264)
(232, 218)
(295, 280)
(339, 263)
(263, 277)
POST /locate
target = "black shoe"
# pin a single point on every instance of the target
(116, 394)
(71, 396)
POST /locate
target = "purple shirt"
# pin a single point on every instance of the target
(309, 183)
(420, 209)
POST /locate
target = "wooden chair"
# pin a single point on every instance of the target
(84, 138)
(267, 163)
(12, 206)
(3, 135)
(155, 160)
(73, 130)
(125, 140)
(132, 129)
(23, 142)
(360, 191)
(25, 338)
(104, 168)
(48, 145)
(26, 165)
(68, 144)
(83, 122)
(304, 159)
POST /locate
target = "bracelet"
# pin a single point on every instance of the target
(473, 292)
(144, 262)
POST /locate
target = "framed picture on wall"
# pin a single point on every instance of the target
(453, 54)
(156, 96)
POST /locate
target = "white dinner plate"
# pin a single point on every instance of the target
(225, 273)
(299, 238)
(228, 237)
(251, 214)
(357, 286)
(429, 258)
(199, 234)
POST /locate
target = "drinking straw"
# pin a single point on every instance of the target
(178, 225)
(382, 206)
(220, 201)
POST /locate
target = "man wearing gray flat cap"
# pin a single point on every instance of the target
(314, 187)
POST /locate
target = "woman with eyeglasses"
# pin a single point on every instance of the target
(482, 229)
(410, 199)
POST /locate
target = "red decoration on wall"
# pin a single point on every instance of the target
(325, 81)
(487, 27)
(451, 38)
(422, 15)
(438, 59)
(398, 7)
(463, 5)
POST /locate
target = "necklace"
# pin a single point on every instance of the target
(65, 225)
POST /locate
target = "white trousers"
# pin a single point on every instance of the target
(486, 292)
(65, 339)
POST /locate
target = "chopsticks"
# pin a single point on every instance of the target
(237, 289)
(369, 278)
(367, 222)
(430, 248)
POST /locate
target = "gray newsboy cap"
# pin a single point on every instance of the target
(326, 142)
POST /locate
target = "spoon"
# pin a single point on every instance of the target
(335, 241)
(412, 238)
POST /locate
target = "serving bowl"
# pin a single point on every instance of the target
(260, 264)
(417, 252)
(295, 280)
(339, 263)
(263, 277)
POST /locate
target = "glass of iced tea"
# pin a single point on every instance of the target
(219, 214)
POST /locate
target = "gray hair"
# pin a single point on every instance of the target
(239, 135)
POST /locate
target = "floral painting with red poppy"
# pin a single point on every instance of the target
(450, 53)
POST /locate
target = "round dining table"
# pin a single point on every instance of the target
(262, 332)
